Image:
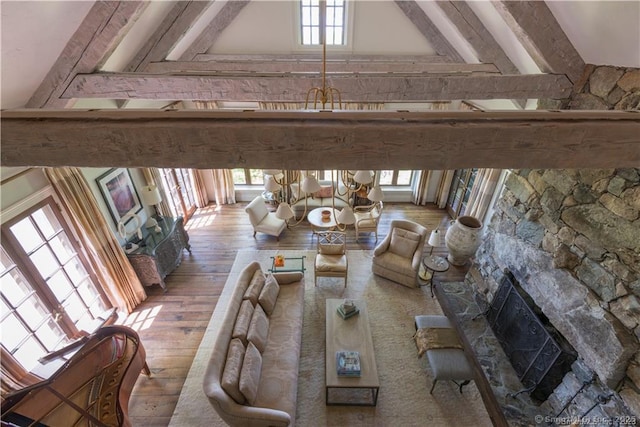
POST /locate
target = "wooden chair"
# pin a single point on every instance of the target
(331, 259)
(91, 388)
(367, 219)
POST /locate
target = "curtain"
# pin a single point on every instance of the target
(443, 188)
(105, 255)
(199, 189)
(482, 192)
(14, 376)
(152, 177)
(223, 187)
(422, 187)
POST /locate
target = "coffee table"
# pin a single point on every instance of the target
(290, 264)
(351, 334)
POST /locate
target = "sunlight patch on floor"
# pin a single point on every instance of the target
(141, 320)
(203, 218)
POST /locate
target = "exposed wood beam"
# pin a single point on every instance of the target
(337, 56)
(480, 39)
(211, 33)
(427, 28)
(321, 140)
(541, 35)
(90, 46)
(177, 22)
(359, 88)
(314, 66)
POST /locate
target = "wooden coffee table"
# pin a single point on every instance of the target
(351, 334)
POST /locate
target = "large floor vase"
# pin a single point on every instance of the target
(463, 239)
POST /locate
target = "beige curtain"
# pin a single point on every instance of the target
(443, 188)
(105, 255)
(482, 192)
(152, 177)
(422, 187)
(199, 189)
(223, 187)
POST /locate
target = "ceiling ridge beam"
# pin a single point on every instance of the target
(218, 24)
(371, 88)
(428, 29)
(90, 46)
(170, 31)
(543, 38)
(310, 66)
(324, 140)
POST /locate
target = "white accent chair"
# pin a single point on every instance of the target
(367, 219)
(331, 259)
(399, 255)
(264, 221)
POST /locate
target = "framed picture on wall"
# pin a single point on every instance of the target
(119, 193)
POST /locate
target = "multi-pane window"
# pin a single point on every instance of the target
(177, 182)
(311, 21)
(48, 294)
(396, 177)
(460, 191)
(248, 176)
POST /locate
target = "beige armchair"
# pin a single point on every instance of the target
(367, 219)
(331, 259)
(264, 221)
(398, 256)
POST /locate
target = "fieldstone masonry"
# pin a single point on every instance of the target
(572, 240)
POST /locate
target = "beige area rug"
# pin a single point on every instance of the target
(405, 380)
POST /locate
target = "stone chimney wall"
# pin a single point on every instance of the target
(572, 240)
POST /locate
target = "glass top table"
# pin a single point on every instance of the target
(290, 264)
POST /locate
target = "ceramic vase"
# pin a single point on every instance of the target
(463, 239)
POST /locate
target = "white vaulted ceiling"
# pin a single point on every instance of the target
(34, 35)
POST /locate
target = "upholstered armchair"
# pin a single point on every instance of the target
(264, 221)
(399, 254)
(367, 219)
(331, 259)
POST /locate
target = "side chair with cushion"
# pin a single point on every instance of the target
(367, 219)
(331, 259)
(399, 255)
(264, 221)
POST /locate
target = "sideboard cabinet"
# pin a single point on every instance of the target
(159, 253)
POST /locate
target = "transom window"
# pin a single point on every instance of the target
(311, 22)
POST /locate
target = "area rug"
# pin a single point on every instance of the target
(405, 379)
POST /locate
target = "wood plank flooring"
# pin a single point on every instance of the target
(171, 324)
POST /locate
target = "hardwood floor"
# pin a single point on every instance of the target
(171, 324)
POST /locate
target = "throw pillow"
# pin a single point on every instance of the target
(250, 373)
(243, 319)
(269, 294)
(255, 287)
(232, 368)
(259, 329)
(403, 242)
(332, 249)
(324, 192)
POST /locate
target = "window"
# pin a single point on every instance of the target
(248, 176)
(460, 191)
(396, 177)
(310, 22)
(48, 293)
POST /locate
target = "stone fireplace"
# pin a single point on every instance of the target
(571, 239)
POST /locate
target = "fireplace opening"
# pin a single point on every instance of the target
(539, 354)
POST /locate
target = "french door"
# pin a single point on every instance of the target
(182, 199)
(460, 191)
(48, 293)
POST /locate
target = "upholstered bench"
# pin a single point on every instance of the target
(447, 362)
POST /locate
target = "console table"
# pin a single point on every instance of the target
(159, 253)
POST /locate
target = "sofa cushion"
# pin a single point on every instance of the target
(259, 328)
(269, 294)
(324, 192)
(403, 242)
(255, 287)
(243, 320)
(250, 374)
(232, 368)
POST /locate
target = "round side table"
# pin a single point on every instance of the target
(431, 264)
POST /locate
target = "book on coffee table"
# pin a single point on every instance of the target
(348, 363)
(346, 315)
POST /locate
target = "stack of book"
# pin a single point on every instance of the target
(347, 309)
(348, 363)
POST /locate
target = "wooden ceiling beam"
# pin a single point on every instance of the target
(321, 140)
(315, 66)
(96, 38)
(543, 38)
(360, 88)
(170, 31)
(331, 56)
(428, 29)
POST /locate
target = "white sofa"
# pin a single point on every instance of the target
(319, 199)
(252, 376)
